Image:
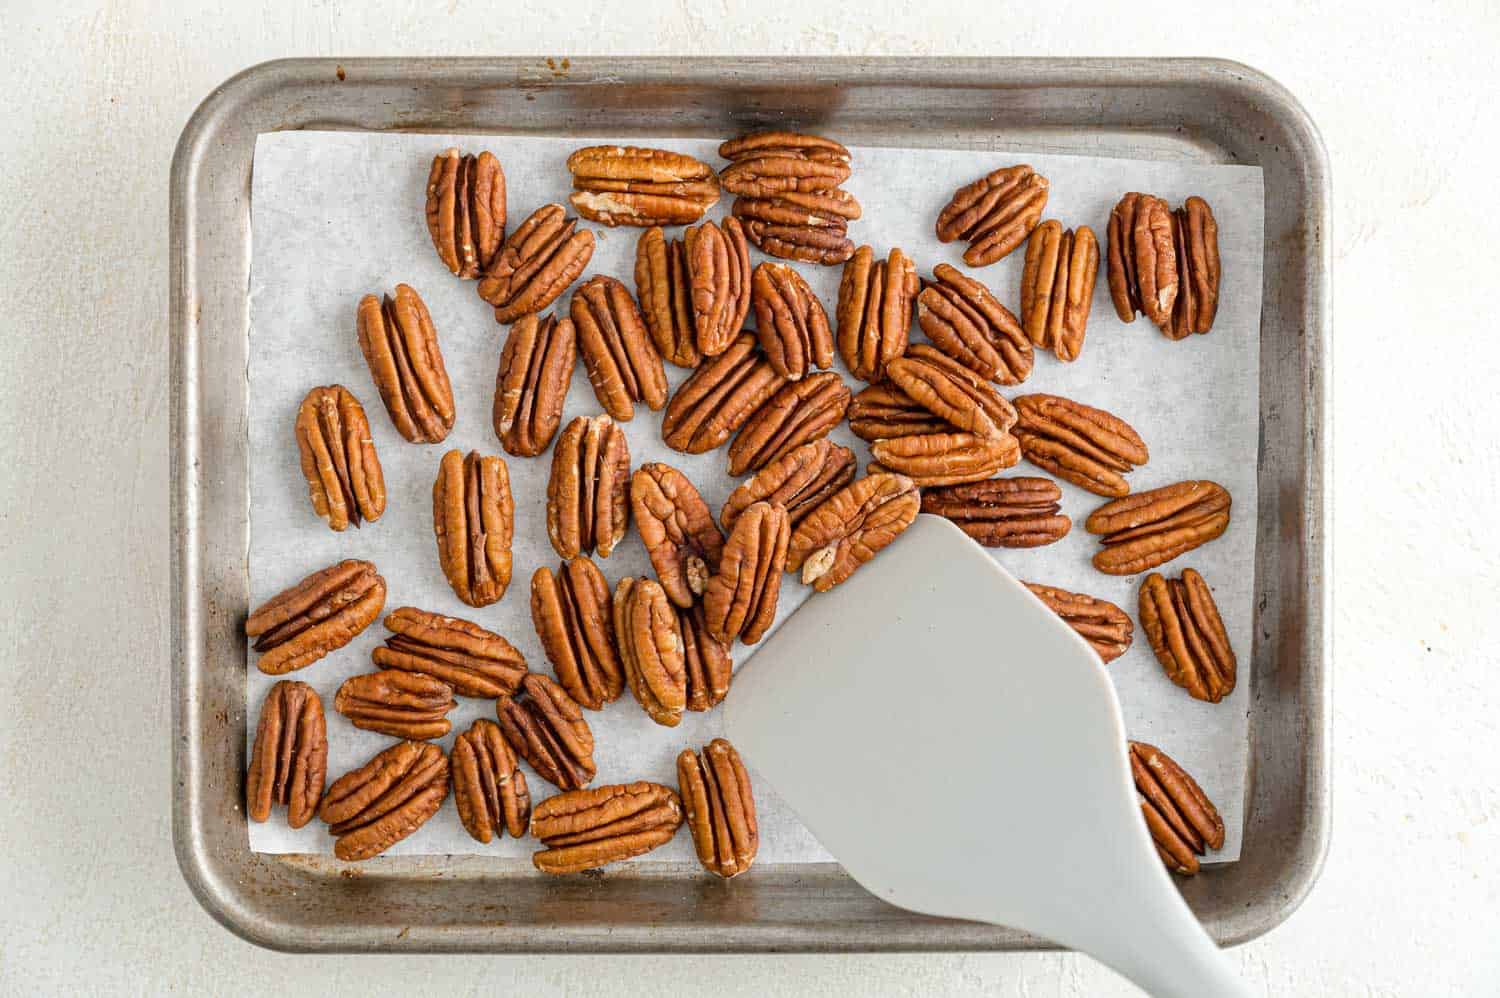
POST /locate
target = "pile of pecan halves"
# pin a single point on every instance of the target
(939, 431)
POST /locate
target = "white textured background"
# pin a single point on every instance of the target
(95, 95)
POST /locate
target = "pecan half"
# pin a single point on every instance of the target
(1195, 238)
(945, 458)
(778, 143)
(377, 805)
(1018, 512)
(466, 210)
(720, 808)
(764, 173)
(1182, 820)
(401, 704)
(800, 412)
(488, 785)
(586, 504)
(874, 311)
(547, 729)
(1103, 625)
(628, 185)
(995, 213)
(705, 659)
(1057, 287)
(472, 660)
(473, 517)
(621, 361)
(536, 263)
(572, 616)
(400, 346)
(826, 245)
(1187, 634)
(719, 397)
(823, 210)
(290, 758)
(1151, 528)
(718, 264)
(678, 530)
(650, 642)
(883, 412)
(965, 321)
(320, 614)
(790, 321)
(665, 291)
(947, 389)
(536, 366)
(740, 599)
(584, 829)
(798, 481)
(1086, 446)
(851, 528)
(1142, 270)
(344, 480)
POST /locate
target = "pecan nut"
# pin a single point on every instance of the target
(830, 211)
(377, 805)
(718, 265)
(586, 492)
(965, 321)
(947, 389)
(764, 173)
(571, 613)
(883, 412)
(1195, 236)
(290, 758)
(719, 397)
(400, 346)
(1103, 625)
(628, 185)
(995, 213)
(851, 528)
(789, 196)
(473, 661)
(1187, 634)
(409, 705)
(790, 321)
(826, 245)
(1151, 528)
(800, 412)
(650, 641)
(1089, 447)
(1018, 512)
(677, 529)
(665, 291)
(536, 366)
(488, 785)
(740, 599)
(945, 458)
(1057, 287)
(798, 481)
(1142, 270)
(466, 210)
(778, 143)
(584, 829)
(1181, 818)
(547, 729)
(536, 263)
(621, 361)
(344, 480)
(719, 807)
(705, 659)
(874, 311)
(320, 614)
(473, 518)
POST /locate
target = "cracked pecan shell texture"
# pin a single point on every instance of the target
(290, 757)
(585, 829)
(587, 502)
(874, 311)
(740, 600)
(1182, 820)
(950, 391)
(719, 808)
(377, 805)
(994, 214)
(1142, 267)
(488, 786)
(1057, 287)
(401, 704)
(344, 480)
(1195, 238)
(825, 245)
(320, 614)
(965, 321)
(536, 263)
(400, 345)
(1187, 635)
(884, 412)
(1103, 625)
(718, 266)
(473, 518)
(945, 458)
(466, 210)
(473, 661)
(1151, 528)
(629, 185)
(800, 412)
(572, 615)
(545, 727)
(718, 398)
(1089, 447)
(536, 366)
(790, 321)
(621, 361)
(665, 291)
(705, 659)
(798, 481)
(851, 528)
(650, 642)
(679, 532)
(1019, 512)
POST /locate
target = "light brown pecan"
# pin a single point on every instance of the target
(965, 321)
(884, 412)
(531, 385)
(650, 642)
(1142, 270)
(584, 829)
(718, 265)
(1151, 528)
(1195, 237)
(488, 785)
(536, 263)
(1018, 512)
(995, 213)
(705, 658)
(720, 808)
(290, 758)
(825, 210)
(826, 245)
(779, 143)
(800, 412)
(473, 661)
(320, 614)
(798, 481)
(473, 518)
(1187, 634)
(628, 185)
(945, 458)
(621, 361)
(1089, 447)
(719, 397)
(1103, 625)
(1182, 820)
(790, 321)
(677, 529)
(1057, 287)
(851, 528)
(344, 480)
(874, 311)
(546, 728)
(665, 291)
(947, 389)
(572, 616)
(586, 492)
(740, 599)
(400, 346)
(466, 210)
(401, 704)
(377, 805)
(764, 173)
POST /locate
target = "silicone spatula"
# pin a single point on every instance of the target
(960, 751)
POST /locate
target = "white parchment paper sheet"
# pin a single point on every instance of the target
(336, 215)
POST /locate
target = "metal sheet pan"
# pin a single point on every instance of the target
(1204, 110)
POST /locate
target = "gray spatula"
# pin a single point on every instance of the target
(960, 750)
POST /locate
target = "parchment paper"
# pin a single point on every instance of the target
(336, 215)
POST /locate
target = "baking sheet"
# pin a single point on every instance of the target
(338, 215)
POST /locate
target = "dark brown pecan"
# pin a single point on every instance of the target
(488, 785)
(719, 397)
(1103, 625)
(584, 829)
(472, 660)
(1142, 270)
(945, 458)
(586, 493)
(628, 185)
(826, 245)
(798, 481)
(740, 599)
(778, 143)
(995, 213)
(665, 291)
(720, 808)
(764, 173)
(1187, 634)
(830, 210)
(377, 805)
(851, 528)
(883, 412)
(650, 642)
(1016, 512)
(344, 480)
(705, 659)
(791, 323)
(536, 263)
(1151, 528)
(621, 361)
(466, 210)
(1182, 820)
(572, 616)
(400, 345)
(531, 386)
(947, 389)
(718, 264)
(320, 614)
(802, 411)
(1057, 287)
(401, 704)
(473, 518)
(677, 529)
(547, 729)
(290, 758)
(1195, 236)
(874, 311)
(1086, 446)
(965, 321)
